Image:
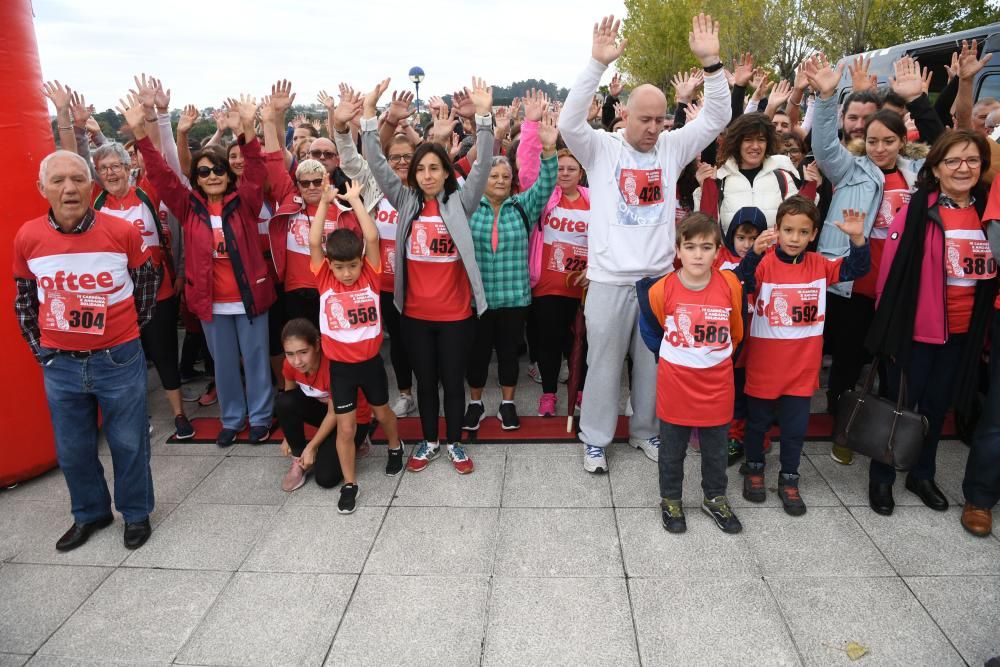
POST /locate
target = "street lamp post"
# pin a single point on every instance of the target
(416, 76)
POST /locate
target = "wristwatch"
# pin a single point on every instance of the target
(713, 68)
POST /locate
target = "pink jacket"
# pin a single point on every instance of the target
(529, 161)
(931, 323)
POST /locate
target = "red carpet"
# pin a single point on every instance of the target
(533, 429)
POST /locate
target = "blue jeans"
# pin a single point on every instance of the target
(114, 381)
(673, 450)
(982, 471)
(231, 338)
(793, 420)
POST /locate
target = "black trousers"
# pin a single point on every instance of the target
(397, 344)
(441, 352)
(276, 319)
(554, 317)
(302, 302)
(847, 324)
(499, 329)
(159, 342)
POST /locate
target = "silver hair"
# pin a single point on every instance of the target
(500, 159)
(44, 166)
(112, 149)
(309, 166)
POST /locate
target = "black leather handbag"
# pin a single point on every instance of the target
(880, 428)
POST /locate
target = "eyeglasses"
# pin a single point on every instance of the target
(311, 182)
(954, 163)
(405, 157)
(110, 168)
(322, 155)
(203, 172)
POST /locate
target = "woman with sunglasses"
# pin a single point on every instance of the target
(227, 283)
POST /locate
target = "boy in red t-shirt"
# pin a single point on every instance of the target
(693, 320)
(348, 274)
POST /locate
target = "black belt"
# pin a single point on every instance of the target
(80, 354)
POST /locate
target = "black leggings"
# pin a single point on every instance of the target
(159, 342)
(295, 410)
(397, 347)
(554, 317)
(302, 302)
(444, 352)
(501, 329)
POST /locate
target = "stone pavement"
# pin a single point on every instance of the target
(528, 561)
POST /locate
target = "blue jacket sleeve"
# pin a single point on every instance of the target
(857, 263)
(649, 328)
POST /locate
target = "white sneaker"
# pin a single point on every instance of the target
(404, 405)
(593, 459)
(564, 374)
(651, 447)
(534, 373)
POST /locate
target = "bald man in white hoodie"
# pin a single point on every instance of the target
(633, 186)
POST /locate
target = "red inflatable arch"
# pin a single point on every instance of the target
(26, 448)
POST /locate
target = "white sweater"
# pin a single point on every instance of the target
(623, 245)
(764, 193)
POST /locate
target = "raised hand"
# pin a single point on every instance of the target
(822, 77)
(764, 241)
(925, 80)
(400, 107)
(619, 110)
(812, 173)
(704, 39)
(743, 70)
(779, 96)
(267, 114)
(860, 78)
(326, 100)
(463, 104)
(952, 70)
(548, 132)
(282, 98)
(801, 82)
(535, 103)
(907, 82)
(503, 122)
(853, 225)
(455, 146)
(615, 87)
(705, 171)
(350, 107)
(444, 125)
(968, 62)
(686, 84)
(372, 98)
(187, 119)
(514, 109)
(434, 103)
(693, 109)
(145, 87)
(92, 125)
(595, 108)
(60, 95)
(161, 97)
(352, 193)
(79, 110)
(481, 96)
(606, 48)
(131, 107)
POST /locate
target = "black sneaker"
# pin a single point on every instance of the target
(259, 434)
(735, 450)
(348, 499)
(226, 437)
(788, 491)
(673, 516)
(394, 462)
(508, 417)
(718, 508)
(474, 415)
(182, 428)
(753, 483)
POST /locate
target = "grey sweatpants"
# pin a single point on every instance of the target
(612, 314)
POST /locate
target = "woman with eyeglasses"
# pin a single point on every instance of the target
(227, 283)
(936, 291)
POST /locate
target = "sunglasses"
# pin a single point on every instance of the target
(322, 155)
(203, 172)
(311, 182)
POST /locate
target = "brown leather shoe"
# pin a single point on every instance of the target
(977, 520)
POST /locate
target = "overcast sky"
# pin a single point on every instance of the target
(205, 50)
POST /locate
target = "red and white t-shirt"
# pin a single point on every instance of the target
(297, 272)
(694, 376)
(226, 298)
(317, 385)
(437, 287)
(564, 231)
(385, 219)
(895, 195)
(967, 259)
(84, 287)
(350, 317)
(785, 345)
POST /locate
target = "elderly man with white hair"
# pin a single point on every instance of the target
(86, 284)
(633, 181)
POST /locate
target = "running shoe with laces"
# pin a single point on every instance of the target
(210, 397)
(672, 515)
(475, 413)
(753, 483)
(182, 428)
(650, 447)
(459, 459)
(734, 450)
(534, 373)
(718, 508)
(507, 414)
(295, 477)
(394, 460)
(348, 498)
(259, 434)
(404, 405)
(788, 491)
(547, 405)
(593, 459)
(422, 455)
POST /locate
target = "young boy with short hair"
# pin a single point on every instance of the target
(785, 342)
(347, 271)
(692, 319)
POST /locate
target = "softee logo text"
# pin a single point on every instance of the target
(566, 225)
(73, 281)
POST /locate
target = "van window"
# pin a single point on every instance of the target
(989, 86)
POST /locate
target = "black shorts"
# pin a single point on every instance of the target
(347, 378)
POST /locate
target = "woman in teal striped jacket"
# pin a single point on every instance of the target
(500, 233)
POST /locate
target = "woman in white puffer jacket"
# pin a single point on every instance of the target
(753, 172)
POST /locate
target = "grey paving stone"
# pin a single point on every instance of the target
(271, 619)
(546, 449)
(579, 542)
(753, 628)
(266, 449)
(553, 481)
(137, 615)
(952, 456)
(316, 539)
(19, 523)
(826, 541)
(174, 477)
(204, 537)
(48, 487)
(244, 480)
(967, 609)
(434, 621)
(557, 621)
(11, 660)
(36, 599)
(920, 541)
(57, 661)
(432, 540)
(163, 448)
(703, 551)
(825, 614)
(850, 483)
(440, 486)
(377, 488)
